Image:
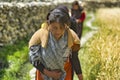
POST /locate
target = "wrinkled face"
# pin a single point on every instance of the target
(57, 30)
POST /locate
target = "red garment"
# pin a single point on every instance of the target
(82, 18)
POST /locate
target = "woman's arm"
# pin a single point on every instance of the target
(82, 18)
(76, 64)
(53, 74)
(35, 59)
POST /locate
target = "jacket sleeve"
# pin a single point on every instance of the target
(76, 41)
(74, 57)
(34, 51)
(82, 18)
(35, 57)
(76, 63)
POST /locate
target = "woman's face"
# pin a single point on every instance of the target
(57, 30)
(75, 7)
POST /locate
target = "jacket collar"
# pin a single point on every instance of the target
(44, 39)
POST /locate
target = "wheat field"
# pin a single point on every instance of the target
(100, 57)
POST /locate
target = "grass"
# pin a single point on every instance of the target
(85, 30)
(14, 59)
(100, 58)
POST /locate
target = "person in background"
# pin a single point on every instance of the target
(78, 13)
(53, 49)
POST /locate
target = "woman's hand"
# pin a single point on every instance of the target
(80, 77)
(78, 20)
(55, 74)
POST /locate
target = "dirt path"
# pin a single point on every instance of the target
(93, 28)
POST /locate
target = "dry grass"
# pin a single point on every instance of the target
(101, 55)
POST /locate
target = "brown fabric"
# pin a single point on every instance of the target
(68, 69)
(38, 75)
(41, 37)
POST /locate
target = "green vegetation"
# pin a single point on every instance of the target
(85, 30)
(15, 58)
(85, 27)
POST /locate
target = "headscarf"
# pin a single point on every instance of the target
(57, 15)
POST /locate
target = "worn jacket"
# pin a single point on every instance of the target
(41, 37)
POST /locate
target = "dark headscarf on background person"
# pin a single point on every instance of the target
(78, 11)
(79, 6)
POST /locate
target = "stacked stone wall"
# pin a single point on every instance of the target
(17, 20)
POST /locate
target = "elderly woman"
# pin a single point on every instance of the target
(54, 49)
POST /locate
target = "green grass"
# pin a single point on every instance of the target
(85, 27)
(14, 58)
(85, 30)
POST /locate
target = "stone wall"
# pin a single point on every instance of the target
(18, 20)
(94, 5)
(22, 0)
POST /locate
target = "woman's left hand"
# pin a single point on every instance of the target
(78, 21)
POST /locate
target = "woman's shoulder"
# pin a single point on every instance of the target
(41, 31)
(44, 25)
(72, 32)
(75, 38)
